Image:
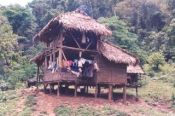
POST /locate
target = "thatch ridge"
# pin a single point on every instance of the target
(73, 20)
(116, 54)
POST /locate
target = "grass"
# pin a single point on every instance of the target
(63, 110)
(29, 106)
(109, 111)
(159, 89)
(8, 101)
(84, 110)
(149, 112)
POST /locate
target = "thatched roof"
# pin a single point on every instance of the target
(131, 69)
(117, 54)
(72, 21)
(39, 58)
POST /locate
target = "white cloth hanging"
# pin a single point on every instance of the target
(83, 39)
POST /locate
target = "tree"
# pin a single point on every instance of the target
(155, 60)
(14, 67)
(143, 14)
(44, 10)
(120, 33)
(8, 44)
(122, 36)
(22, 20)
(8, 41)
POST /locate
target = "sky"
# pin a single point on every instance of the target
(9, 2)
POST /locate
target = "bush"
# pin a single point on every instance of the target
(108, 111)
(3, 98)
(148, 69)
(4, 86)
(86, 111)
(31, 101)
(151, 73)
(63, 111)
(155, 60)
(167, 68)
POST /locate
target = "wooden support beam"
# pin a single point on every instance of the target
(50, 90)
(60, 57)
(110, 93)
(76, 42)
(75, 92)
(64, 56)
(88, 45)
(37, 77)
(79, 49)
(66, 88)
(50, 58)
(54, 56)
(58, 89)
(137, 97)
(124, 94)
(99, 89)
(45, 88)
(70, 48)
(87, 89)
(46, 63)
(96, 91)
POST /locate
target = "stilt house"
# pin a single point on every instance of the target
(77, 55)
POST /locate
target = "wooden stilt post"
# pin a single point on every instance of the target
(46, 63)
(50, 90)
(110, 92)
(66, 88)
(87, 89)
(60, 58)
(96, 91)
(37, 77)
(99, 89)
(137, 97)
(45, 88)
(58, 89)
(124, 94)
(75, 92)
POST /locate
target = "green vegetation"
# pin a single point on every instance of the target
(155, 60)
(63, 111)
(29, 106)
(8, 102)
(85, 110)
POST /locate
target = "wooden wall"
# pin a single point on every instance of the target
(110, 72)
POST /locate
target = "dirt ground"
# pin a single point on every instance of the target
(48, 102)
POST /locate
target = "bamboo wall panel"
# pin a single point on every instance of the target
(111, 72)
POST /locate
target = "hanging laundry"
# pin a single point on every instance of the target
(51, 65)
(81, 62)
(74, 66)
(64, 64)
(96, 66)
(69, 63)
